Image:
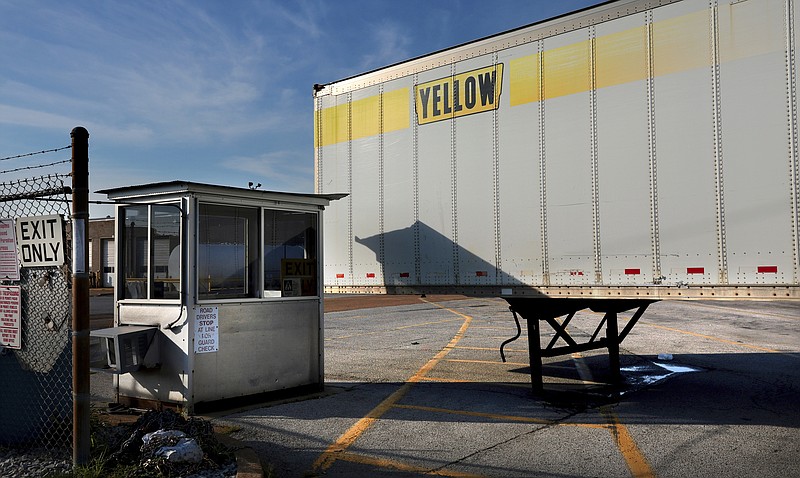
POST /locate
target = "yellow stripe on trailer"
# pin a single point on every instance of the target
(365, 115)
(677, 44)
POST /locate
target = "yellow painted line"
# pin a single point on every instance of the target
(491, 349)
(491, 327)
(403, 327)
(468, 413)
(500, 417)
(331, 454)
(748, 312)
(396, 465)
(716, 339)
(525, 385)
(339, 337)
(635, 459)
(446, 380)
(329, 319)
(492, 362)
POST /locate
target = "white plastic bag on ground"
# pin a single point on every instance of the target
(185, 451)
(174, 445)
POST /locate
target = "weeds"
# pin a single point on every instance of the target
(116, 450)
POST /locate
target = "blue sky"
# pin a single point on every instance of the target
(209, 91)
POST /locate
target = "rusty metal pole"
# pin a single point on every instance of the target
(80, 296)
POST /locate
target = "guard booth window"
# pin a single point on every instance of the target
(227, 252)
(290, 253)
(151, 252)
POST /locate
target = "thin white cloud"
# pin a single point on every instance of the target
(305, 16)
(175, 69)
(167, 89)
(277, 170)
(391, 45)
(61, 123)
(28, 117)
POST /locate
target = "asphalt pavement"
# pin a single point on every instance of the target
(709, 389)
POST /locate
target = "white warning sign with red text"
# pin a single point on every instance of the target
(9, 266)
(10, 317)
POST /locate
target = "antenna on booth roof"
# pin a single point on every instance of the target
(251, 186)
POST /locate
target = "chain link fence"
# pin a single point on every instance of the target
(36, 402)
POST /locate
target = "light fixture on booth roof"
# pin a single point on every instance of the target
(251, 186)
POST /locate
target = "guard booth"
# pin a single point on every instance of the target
(218, 294)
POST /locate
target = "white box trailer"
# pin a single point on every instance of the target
(635, 151)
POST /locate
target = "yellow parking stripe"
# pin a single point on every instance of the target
(501, 417)
(525, 385)
(492, 362)
(716, 339)
(445, 380)
(396, 465)
(331, 454)
(745, 311)
(466, 413)
(385, 330)
(402, 327)
(637, 463)
(491, 349)
(634, 458)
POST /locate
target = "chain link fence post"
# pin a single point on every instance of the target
(81, 399)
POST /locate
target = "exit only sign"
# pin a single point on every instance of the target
(40, 240)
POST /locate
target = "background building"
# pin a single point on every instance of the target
(101, 252)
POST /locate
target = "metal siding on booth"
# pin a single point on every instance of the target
(621, 70)
(170, 381)
(263, 346)
(755, 142)
(366, 186)
(519, 188)
(398, 183)
(474, 140)
(567, 132)
(684, 143)
(435, 196)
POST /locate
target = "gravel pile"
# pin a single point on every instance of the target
(45, 464)
(33, 464)
(125, 446)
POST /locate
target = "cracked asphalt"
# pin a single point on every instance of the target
(419, 388)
